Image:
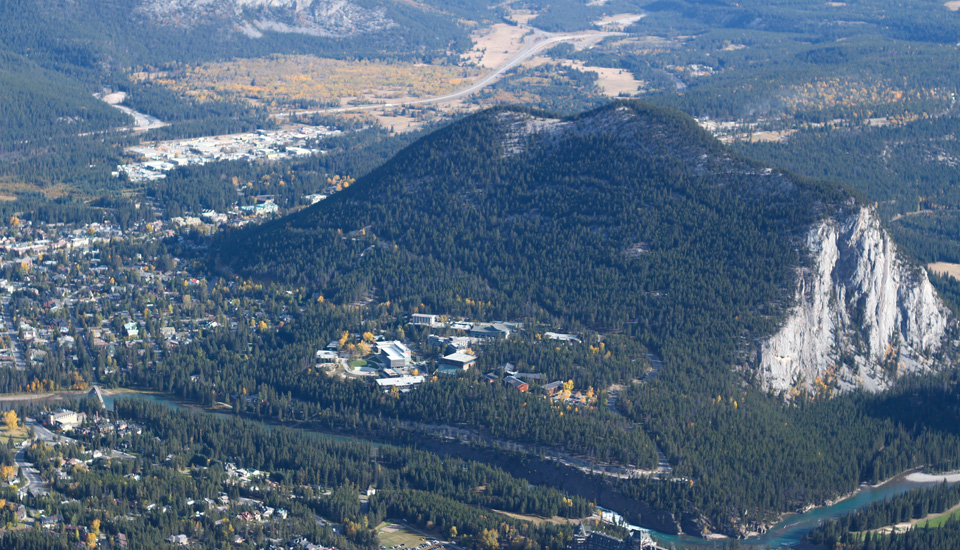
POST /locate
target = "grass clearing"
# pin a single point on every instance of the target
(496, 44)
(18, 435)
(613, 82)
(279, 80)
(392, 534)
(11, 190)
(944, 268)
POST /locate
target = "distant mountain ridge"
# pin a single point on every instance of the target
(628, 217)
(119, 34)
(325, 18)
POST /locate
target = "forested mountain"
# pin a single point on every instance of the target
(125, 33)
(628, 217)
(631, 219)
(614, 217)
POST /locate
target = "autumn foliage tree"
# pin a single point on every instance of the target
(10, 419)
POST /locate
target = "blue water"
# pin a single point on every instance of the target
(792, 528)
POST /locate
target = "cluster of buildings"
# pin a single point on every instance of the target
(396, 367)
(509, 376)
(55, 526)
(105, 426)
(392, 366)
(455, 358)
(31, 239)
(68, 299)
(254, 146)
(243, 476)
(496, 329)
(236, 216)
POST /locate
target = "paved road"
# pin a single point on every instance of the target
(18, 357)
(141, 122)
(34, 484)
(535, 43)
(44, 434)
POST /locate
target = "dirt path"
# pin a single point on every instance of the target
(556, 520)
(907, 525)
(898, 216)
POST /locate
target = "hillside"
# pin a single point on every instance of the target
(118, 34)
(627, 218)
(631, 220)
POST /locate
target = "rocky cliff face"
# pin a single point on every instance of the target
(862, 317)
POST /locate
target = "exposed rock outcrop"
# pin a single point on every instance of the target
(863, 315)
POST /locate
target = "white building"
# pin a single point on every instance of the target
(394, 354)
(400, 381)
(423, 319)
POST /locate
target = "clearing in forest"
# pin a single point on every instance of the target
(613, 82)
(392, 534)
(945, 268)
(304, 79)
(495, 45)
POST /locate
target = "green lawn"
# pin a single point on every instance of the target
(940, 520)
(354, 363)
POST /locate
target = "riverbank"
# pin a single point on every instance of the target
(793, 526)
(785, 517)
(14, 397)
(923, 477)
(787, 531)
(66, 394)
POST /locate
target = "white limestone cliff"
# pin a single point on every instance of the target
(862, 316)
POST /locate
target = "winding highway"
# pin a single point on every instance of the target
(535, 43)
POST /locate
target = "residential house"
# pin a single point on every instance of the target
(516, 383)
(182, 540)
(553, 387)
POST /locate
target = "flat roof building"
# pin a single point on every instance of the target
(459, 360)
(422, 319)
(400, 381)
(394, 354)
